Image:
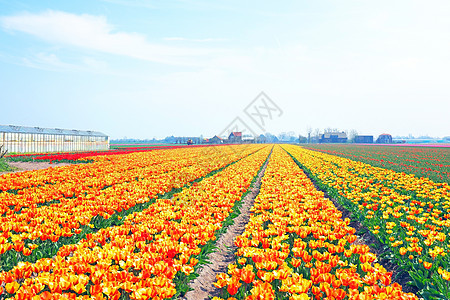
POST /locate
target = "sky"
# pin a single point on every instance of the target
(150, 69)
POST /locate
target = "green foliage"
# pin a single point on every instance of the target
(4, 167)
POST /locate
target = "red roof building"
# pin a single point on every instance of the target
(235, 137)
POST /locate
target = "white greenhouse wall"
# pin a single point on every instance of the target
(38, 143)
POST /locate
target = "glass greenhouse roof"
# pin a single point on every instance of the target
(40, 130)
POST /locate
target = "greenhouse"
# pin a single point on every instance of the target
(20, 139)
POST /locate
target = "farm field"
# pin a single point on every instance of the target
(125, 145)
(85, 156)
(140, 225)
(431, 161)
(297, 246)
(407, 214)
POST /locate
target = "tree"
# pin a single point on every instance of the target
(271, 138)
(302, 139)
(316, 135)
(351, 136)
(288, 137)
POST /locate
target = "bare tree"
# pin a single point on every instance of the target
(2, 152)
(316, 135)
(330, 130)
(352, 135)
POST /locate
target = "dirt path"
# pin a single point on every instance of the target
(224, 255)
(20, 166)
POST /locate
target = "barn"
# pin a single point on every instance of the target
(364, 139)
(333, 137)
(22, 139)
(384, 138)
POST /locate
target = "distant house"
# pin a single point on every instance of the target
(384, 138)
(235, 137)
(248, 139)
(333, 137)
(261, 139)
(364, 139)
(215, 140)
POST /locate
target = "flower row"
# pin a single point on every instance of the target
(150, 254)
(414, 226)
(296, 246)
(432, 162)
(72, 181)
(115, 164)
(25, 232)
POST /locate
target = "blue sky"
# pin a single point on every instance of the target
(145, 69)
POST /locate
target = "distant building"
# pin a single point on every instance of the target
(36, 139)
(364, 139)
(261, 139)
(215, 140)
(384, 139)
(333, 137)
(235, 137)
(248, 139)
(188, 140)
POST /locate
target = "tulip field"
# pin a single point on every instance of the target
(429, 161)
(140, 225)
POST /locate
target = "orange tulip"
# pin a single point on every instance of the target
(64, 283)
(247, 275)
(12, 287)
(233, 287)
(46, 295)
(95, 289)
(427, 265)
(339, 294)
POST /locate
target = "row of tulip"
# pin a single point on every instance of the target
(413, 226)
(150, 254)
(17, 181)
(296, 246)
(432, 161)
(85, 156)
(73, 181)
(408, 184)
(37, 232)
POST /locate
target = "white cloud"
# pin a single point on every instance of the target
(52, 62)
(48, 61)
(95, 33)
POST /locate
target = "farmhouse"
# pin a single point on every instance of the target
(364, 139)
(235, 137)
(36, 139)
(384, 138)
(215, 140)
(333, 137)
